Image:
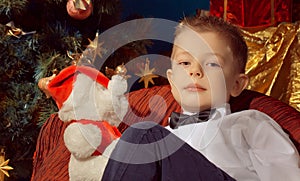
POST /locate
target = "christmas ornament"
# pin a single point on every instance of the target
(119, 70)
(146, 74)
(79, 9)
(94, 49)
(75, 57)
(16, 32)
(4, 168)
(94, 44)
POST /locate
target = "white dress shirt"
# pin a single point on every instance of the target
(248, 145)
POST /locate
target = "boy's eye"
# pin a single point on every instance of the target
(213, 64)
(184, 63)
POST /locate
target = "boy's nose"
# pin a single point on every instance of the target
(196, 72)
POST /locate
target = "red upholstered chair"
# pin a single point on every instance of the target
(52, 157)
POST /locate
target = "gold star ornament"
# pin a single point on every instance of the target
(4, 168)
(146, 74)
(92, 50)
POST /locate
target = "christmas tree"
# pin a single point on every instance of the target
(38, 39)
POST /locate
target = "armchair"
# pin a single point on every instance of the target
(156, 103)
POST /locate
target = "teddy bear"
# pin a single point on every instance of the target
(94, 106)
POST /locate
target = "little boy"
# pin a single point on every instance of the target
(207, 142)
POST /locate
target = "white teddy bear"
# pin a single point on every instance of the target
(94, 105)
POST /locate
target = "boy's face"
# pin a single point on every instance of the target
(204, 72)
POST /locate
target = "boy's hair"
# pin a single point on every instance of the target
(224, 29)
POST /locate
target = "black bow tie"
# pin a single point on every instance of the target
(179, 119)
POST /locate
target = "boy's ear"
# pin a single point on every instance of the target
(240, 84)
(169, 75)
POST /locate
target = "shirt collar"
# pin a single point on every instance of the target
(222, 110)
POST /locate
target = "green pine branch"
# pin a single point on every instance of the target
(10, 8)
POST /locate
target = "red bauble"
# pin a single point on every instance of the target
(77, 13)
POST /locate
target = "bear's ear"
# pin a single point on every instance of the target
(240, 84)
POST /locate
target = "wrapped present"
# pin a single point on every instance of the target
(254, 13)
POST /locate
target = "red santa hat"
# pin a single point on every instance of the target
(61, 86)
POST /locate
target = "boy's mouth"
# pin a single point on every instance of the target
(194, 88)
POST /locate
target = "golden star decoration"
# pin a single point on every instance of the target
(4, 168)
(96, 46)
(92, 50)
(146, 74)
